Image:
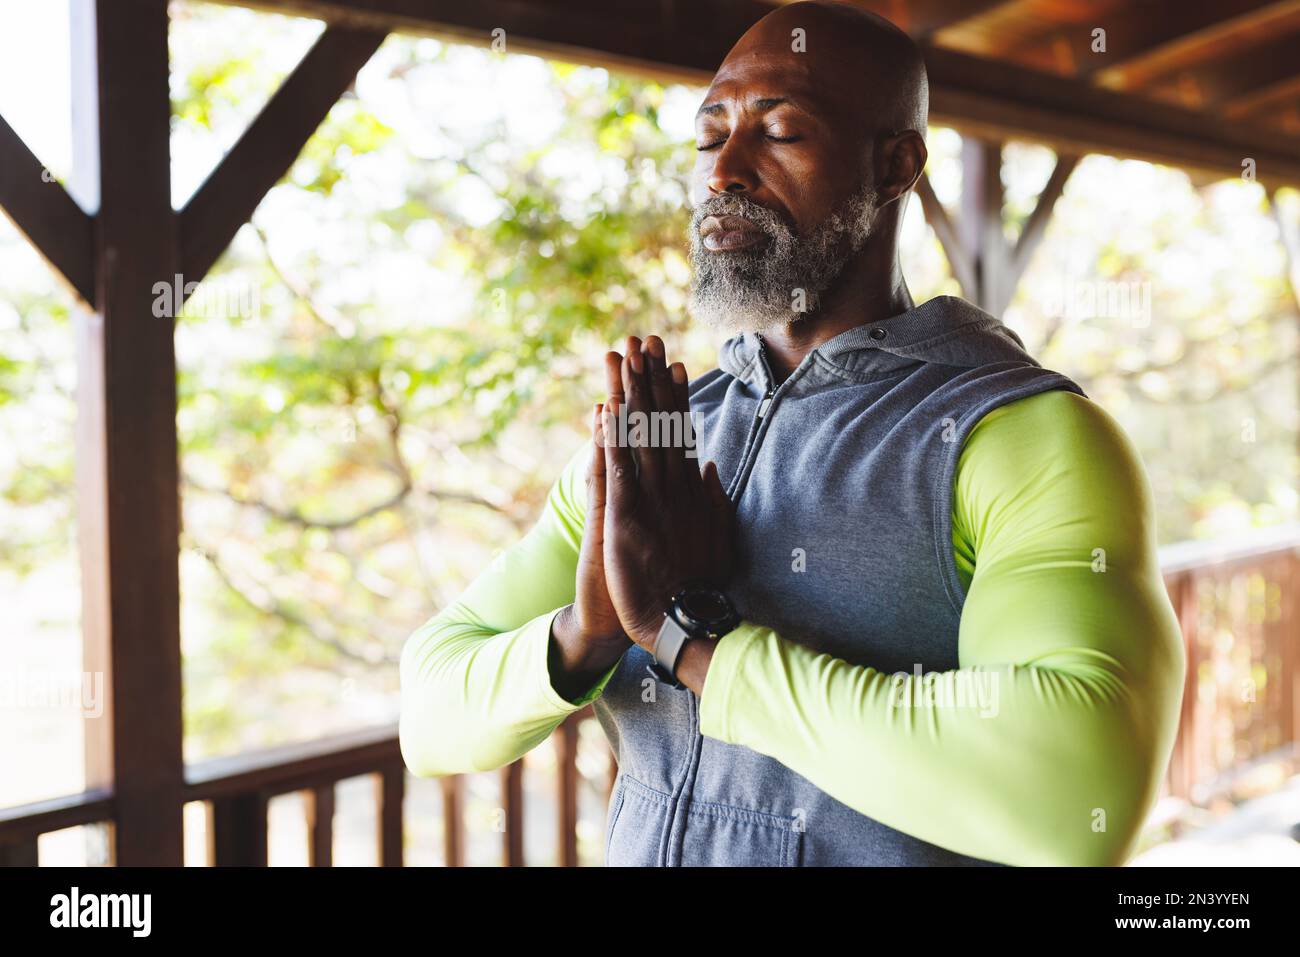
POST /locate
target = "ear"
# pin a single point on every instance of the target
(899, 159)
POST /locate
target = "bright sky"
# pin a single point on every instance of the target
(35, 78)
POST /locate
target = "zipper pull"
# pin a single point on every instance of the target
(767, 400)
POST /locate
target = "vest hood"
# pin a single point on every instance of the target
(946, 330)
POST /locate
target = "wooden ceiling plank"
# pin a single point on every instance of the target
(922, 18)
(1150, 43)
(977, 95)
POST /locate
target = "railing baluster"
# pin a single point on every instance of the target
(319, 804)
(237, 831)
(390, 791)
(566, 761)
(453, 831)
(19, 854)
(512, 797)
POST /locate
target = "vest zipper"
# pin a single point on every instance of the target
(764, 404)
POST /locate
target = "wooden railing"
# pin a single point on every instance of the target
(1239, 609)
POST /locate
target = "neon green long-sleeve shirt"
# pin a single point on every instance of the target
(1066, 619)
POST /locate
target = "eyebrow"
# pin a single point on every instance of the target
(763, 105)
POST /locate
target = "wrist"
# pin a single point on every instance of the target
(580, 648)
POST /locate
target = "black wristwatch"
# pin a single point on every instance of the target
(697, 611)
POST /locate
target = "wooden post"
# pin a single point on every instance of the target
(566, 763)
(981, 218)
(237, 831)
(453, 833)
(390, 793)
(320, 825)
(512, 800)
(128, 505)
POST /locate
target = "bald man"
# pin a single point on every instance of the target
(909, 610)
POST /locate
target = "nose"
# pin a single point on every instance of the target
(732, 172)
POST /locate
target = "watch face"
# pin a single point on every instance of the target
(706, 606)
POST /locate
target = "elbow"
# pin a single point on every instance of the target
(437, 732)
(418, 728)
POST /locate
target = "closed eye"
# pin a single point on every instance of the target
(775, 139)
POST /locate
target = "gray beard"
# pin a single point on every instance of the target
(784, 280)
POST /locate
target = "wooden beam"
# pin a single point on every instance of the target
(920, 18)
(1259, 69)
(1136, 34)
(268, 148)
(128, 510)
(1035, 228)
(995, 100)
(982, 199)
(959, 260)
(1268, 96)
(1177, 35)
(646, 36)
(991, 99)
(41, 209)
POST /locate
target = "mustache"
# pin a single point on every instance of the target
(735, 204)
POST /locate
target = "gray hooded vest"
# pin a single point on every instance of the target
(852, 460)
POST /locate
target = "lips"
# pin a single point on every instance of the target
(730, 233)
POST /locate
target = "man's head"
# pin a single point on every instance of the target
(811, 131)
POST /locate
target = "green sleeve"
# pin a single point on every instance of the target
(476, 692)
(1066, 630)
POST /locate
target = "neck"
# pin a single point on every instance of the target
(870, 289)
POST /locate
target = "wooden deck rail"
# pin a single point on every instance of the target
(1239, 613)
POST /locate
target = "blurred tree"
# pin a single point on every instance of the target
(390, 364)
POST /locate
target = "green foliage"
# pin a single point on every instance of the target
(435, 287)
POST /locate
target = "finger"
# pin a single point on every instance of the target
(671, 450)
(620, 475)
(593, 528)
(637, 416)
(690, 449)
(596, 469)
(614, 374)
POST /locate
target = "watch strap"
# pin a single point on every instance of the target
(669, 643)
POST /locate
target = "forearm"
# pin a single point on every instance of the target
(472, 699)
(1053, 760)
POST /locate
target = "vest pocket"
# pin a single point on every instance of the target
(638, 819)
(721, 835)
(717, 835)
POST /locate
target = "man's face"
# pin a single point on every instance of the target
(782, 190)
